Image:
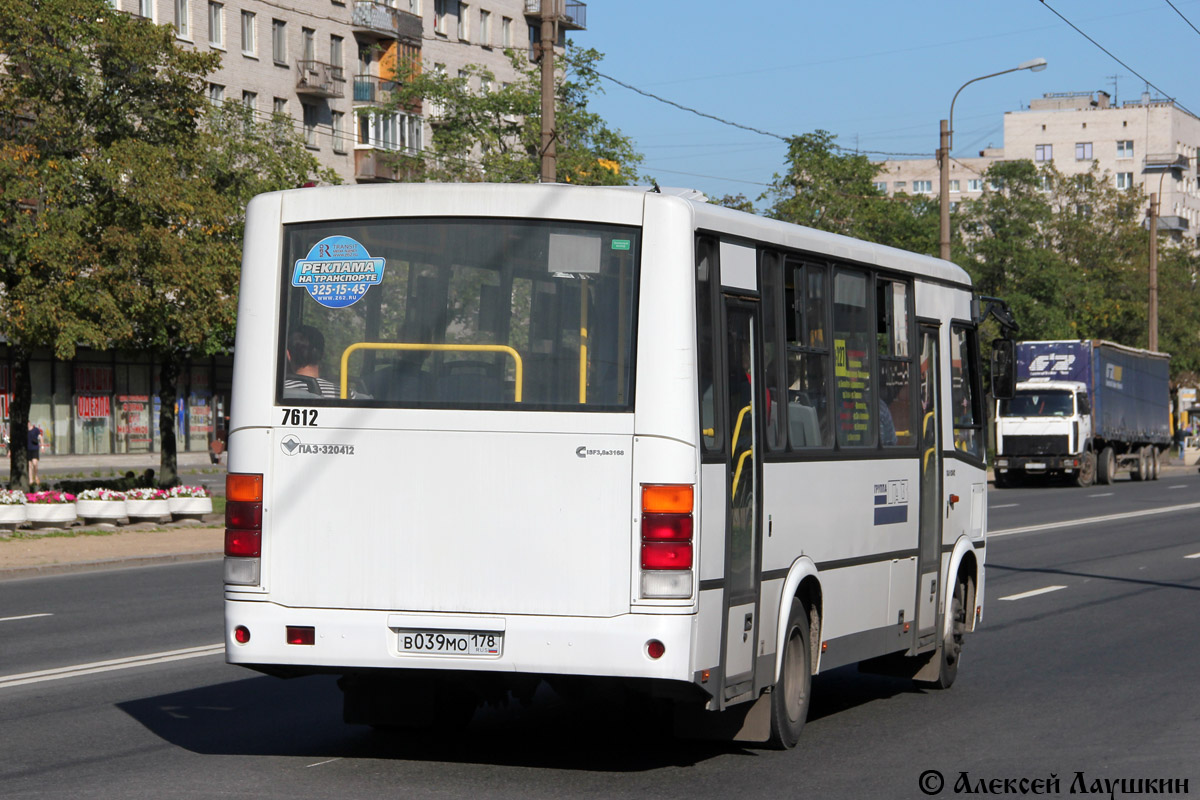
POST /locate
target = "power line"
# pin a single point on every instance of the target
(1113, 57)
(1181, 16)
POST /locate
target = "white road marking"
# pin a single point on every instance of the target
(1102, 494)
(326, 761)
(1178, 486)
(107, 666)
(1090, 520)
(1193, 555)
(1006, 505)
(25, 616)
(1033, 593)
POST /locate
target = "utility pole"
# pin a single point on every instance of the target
(549, 17)
(943, 160)
(1153, 272)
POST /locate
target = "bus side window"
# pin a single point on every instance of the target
(855, 396)
(772, 313)
(896, 420)
(711, 437)
(808, 355)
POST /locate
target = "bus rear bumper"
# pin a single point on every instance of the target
(346, 640)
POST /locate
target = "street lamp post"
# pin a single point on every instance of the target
(946, 142)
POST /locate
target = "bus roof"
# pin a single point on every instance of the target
(620, 204)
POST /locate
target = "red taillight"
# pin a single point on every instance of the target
(655, 648)
(243, 515)
(301, 634)
(666, 555)
(246, 544)
(667, 526)
(241, 634)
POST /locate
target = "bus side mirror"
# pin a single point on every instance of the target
(1004, 363)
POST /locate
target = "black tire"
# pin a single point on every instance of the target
(951, 651)
(791, 695)
(1138, 471)
(1156, 469)
(1106, 466)
(1002, 480)
(1086, 475)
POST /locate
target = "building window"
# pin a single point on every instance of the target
(183, 13)
(146, 9)
(339, 132)
(506, 31)
(974, 184)
(881, 187)
(1083, 151)
(390, 131)
(310, 125)
(464, 30)
(216, 25)
(922, 187)
(1043, 152)
(279, 41)
(414, 7)
(279, 105)
(216, 93)
(1124, 180)
(485, 28)
(1125, 148)
(249, 40)
(308, 41)
(954, 186)
(335, 51)
(900, 186)
(250, 100)
(439, 16)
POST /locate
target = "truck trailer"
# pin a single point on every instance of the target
(1085, 411)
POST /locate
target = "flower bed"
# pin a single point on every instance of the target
(50, 508)
(143, 504)
(189, 501)
(101, 504)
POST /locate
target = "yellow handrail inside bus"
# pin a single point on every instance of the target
(737, 429)
(459, 348)
(737, 474)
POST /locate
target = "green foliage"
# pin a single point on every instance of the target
(495, 135)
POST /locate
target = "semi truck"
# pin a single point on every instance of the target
(1084, 410)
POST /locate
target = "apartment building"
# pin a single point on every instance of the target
(328, 64)
(1147, 143)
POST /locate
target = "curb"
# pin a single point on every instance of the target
(105, 564)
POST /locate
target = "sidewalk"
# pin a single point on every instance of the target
(50, 464)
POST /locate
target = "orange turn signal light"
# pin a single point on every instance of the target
(246, 487)
(667, 499)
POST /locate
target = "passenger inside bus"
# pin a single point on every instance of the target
(305, 349)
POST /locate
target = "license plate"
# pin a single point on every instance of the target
(452, 643)
(1035, 465)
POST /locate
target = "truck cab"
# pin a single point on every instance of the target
(1045, 429)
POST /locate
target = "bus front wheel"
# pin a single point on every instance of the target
(952, 645)
(790, 696)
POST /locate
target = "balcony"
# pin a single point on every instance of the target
(571, 14)
(372, 18)
(370, 168)
(372, 89)
(318, 79)
(1165, 162)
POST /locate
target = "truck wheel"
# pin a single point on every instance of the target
(1156, 470)
(1087, 470)
(1106, 466)
(1002, 480)
(1139, 471)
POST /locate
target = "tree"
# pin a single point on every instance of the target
(122, 195)
(495, 134)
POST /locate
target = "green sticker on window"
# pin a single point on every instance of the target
(620, 244)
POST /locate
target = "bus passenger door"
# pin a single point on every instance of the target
(742, 487)
(930, 537)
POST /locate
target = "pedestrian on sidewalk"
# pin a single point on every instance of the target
(33, 451)
(1180, 437)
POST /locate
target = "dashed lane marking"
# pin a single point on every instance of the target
(1033, 593)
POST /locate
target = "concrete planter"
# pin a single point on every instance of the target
(190, 506)
(100, 509)
(12, 515)
(146, 509)
(50, 514)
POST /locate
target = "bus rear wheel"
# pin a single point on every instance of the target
(790, 696)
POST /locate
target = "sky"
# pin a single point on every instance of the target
(879, 74)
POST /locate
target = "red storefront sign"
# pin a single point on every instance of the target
(92, 407)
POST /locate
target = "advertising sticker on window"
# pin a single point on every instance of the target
(337, 272)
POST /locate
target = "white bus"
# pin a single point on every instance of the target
(486, 435)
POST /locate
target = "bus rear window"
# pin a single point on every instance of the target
(458, 313)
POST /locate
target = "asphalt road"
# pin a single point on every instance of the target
(1085, 663)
